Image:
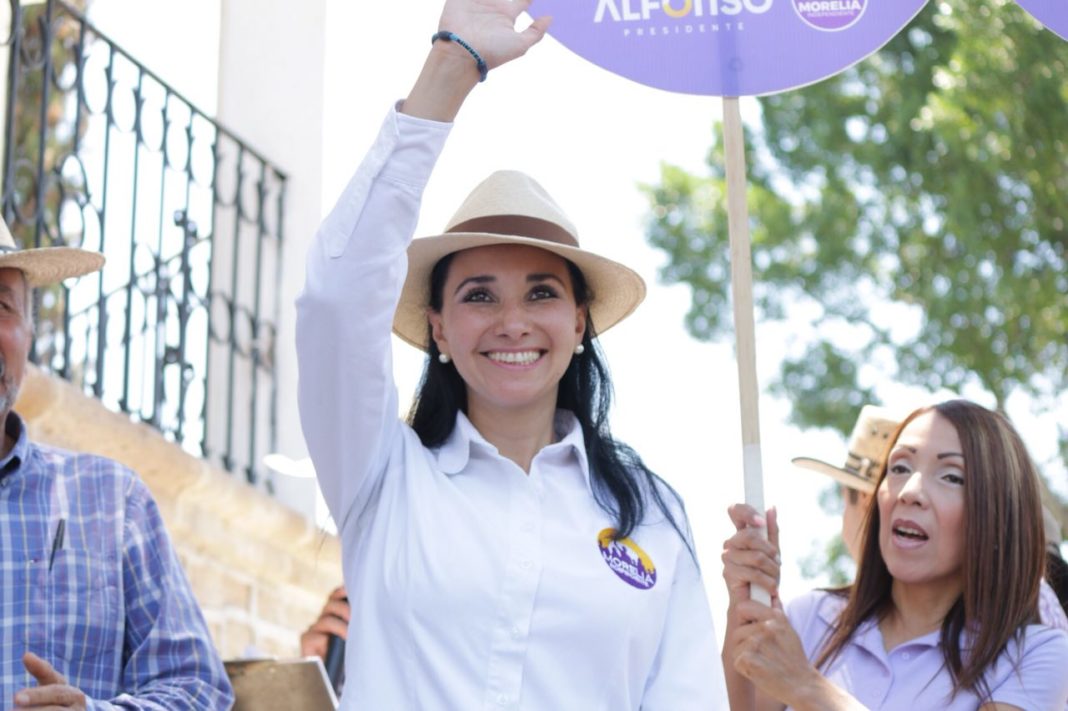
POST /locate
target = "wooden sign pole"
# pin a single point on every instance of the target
(742, 292)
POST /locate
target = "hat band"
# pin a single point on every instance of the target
(861, 466)
(518, 226)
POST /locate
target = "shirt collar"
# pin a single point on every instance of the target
(868, 634)
(454, 454)
(15, 429)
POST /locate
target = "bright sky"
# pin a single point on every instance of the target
(589, 137)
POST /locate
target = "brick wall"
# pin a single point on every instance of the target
(259, 570)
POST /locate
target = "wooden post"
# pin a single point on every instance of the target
(742, 292)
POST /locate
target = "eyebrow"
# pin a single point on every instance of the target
(474, 280)
(545, 277)
(488, 279)
(942, 455)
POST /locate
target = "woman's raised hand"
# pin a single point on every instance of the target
(749, 558)
(451, 71)
(489, 27)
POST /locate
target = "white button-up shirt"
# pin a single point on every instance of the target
(473, 584)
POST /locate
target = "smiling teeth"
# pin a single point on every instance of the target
(523, 358)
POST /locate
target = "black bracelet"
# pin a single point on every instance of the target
(483, 70)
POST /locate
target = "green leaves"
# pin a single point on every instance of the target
(909, 220)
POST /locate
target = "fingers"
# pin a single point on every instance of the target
(751, 611)
(52, 696)
(41, 670)
(773, 527)
(328, 624)
(739, 576)
(313, 644)
(338, 609)
(534, 34)
(745, 516)
(751, 556)
(752, 539)
(518, 7)
(333, 620)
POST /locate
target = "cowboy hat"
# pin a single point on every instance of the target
(46, 265)
(867, 448)
(509, 207)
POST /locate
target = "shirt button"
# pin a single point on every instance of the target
(906, 656)
(502, 700)
(525, 564)
(516, 632)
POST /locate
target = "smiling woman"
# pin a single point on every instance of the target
(944, 610)
(510, 323)
(501, 547)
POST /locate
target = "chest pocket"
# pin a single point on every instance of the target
(82, 617)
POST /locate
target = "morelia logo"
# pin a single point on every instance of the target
(627, 560)
(830, 15)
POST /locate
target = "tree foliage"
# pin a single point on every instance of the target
(909, 219)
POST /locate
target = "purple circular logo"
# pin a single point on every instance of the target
(830, 15)
(627, 560)
(1051, 13)
(726, 47)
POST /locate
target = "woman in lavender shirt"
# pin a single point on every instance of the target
(944, 610)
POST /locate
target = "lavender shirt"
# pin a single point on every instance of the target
(911, 676)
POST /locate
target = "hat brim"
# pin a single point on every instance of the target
(617, 290)
(49, 265)
(842, 476)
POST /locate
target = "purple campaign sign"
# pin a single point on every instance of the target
(727, 47)
(1051, 13)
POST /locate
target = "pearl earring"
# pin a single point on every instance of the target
(580, 349)
(444, 358)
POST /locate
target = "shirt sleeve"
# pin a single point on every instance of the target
(803, 612)
(1040, 681)
(687, 672)
(355, 270)
(169, 662)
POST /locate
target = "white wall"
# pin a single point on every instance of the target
(271, 91)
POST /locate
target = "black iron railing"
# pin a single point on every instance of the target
(179, 328)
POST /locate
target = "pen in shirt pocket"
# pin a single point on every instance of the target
(57, 542)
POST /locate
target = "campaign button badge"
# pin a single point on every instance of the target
(627, 560)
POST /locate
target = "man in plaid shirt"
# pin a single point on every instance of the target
(95, 611)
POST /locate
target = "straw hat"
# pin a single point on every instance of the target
(867, 450)
(46, 265)
(509, 207)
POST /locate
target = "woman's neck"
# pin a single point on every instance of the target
(918, 609)
(518, 435)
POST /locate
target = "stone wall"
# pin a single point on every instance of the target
(260, 571)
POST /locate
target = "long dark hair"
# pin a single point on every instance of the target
(1004, 556)
(623, 485)
(1057, 577)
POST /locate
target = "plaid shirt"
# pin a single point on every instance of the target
(106, 602)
